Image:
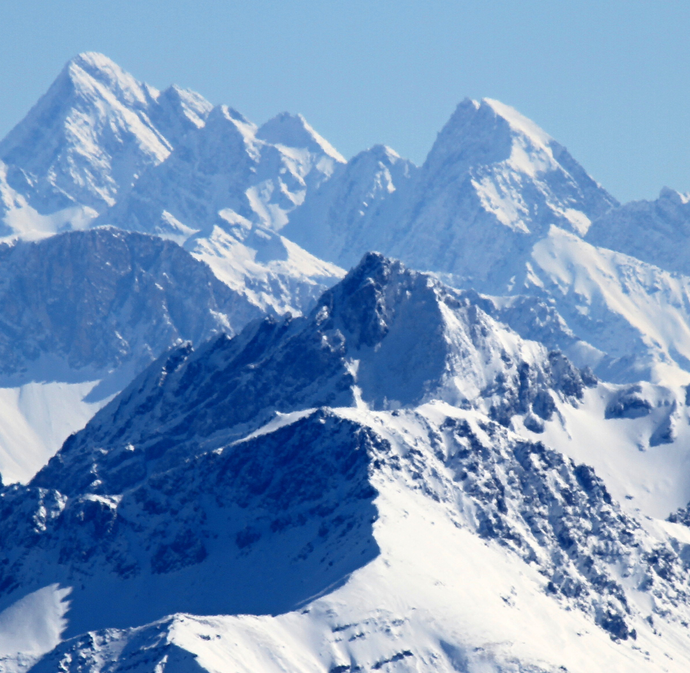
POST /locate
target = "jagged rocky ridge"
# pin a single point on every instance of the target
(270, 522)
(554, 515)
(83, 312)
(228, 169)
(498, 206)
(385, 337)
(501, 208)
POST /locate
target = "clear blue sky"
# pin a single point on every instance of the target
(608, 79)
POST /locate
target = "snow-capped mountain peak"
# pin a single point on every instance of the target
(179, 111)
(493, 181)
(292, 130)
(341, 219)
(491, 144)
(87, 139)
(228, 136)
(519, 122)
(90, 68)
(673, 196)
(384, 338)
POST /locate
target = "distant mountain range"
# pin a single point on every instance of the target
(223, 452)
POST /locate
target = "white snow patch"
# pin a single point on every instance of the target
(33, 625)
(35, 419)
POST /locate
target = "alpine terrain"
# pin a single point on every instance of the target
(221, 451)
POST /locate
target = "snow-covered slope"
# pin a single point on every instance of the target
(383, 338)
(352, 210)
(224, 191)
(657, 232)
(492, 183)
(37, 417)
(19, 219)
(499, 207)
(167, 163)
(92, 135)
(270, 271)
(424, 537)
(485, 549)
(625, 318)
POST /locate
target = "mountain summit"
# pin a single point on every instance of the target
(493, 181)
(93, 134)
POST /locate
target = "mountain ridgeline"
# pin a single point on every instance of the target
(467, 453)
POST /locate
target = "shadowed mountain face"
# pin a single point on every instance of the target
(82, 304)
(501, 208)
(385, 337)
(268, 523)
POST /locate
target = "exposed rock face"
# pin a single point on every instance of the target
(278, 464)
(297, 501)
(87, 303)
(299, 498)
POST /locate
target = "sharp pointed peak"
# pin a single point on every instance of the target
(383, 151)
(491, 110)
(293, 130)
(98, 66)
(224, 113)
(518, 121)
(89, 70)
(178, 92)
(93, 59)
(376, 266)
(679, 198)
(376, 155)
